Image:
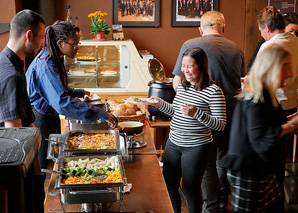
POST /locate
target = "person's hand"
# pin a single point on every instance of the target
(112, 120)
(292, 116)
(85, 92)
(244, 81)
(155, 98)
(188, 110)
(294, 120)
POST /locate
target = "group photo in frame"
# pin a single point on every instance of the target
(188, 13)
(136, 13)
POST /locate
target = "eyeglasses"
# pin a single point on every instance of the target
(73, 45)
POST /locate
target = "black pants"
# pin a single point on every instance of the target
(47, 125)
(188, 163)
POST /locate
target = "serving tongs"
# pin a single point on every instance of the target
(99, 177)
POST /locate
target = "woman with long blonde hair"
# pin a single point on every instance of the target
(253, 158)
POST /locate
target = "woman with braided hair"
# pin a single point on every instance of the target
(48, 90)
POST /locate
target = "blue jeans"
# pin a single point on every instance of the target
(188, 163)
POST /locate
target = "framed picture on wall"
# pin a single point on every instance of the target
(187, 13)
(283, 6)
(136, 13)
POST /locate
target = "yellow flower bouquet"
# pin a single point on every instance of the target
(98, 24)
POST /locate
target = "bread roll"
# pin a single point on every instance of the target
(113, 106)
(121, 107)
(131, 106)
(138, 112)
(130, 112)
(119, 113)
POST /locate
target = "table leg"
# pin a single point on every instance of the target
(294, 148)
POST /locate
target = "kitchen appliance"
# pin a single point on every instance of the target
(160, 86)
(21, 183)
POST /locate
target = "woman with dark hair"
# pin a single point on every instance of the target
(291, 22)
(48, 90)
(198, 107)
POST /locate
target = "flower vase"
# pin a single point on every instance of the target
(99, 36)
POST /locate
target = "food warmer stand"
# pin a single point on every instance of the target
(142, 170)
(92, 195)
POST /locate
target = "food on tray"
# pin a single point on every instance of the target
(140, 100)
(125, 110)
(85, 57)
(92, 141)
(108, 67)
(93, 170)
(82, 71)
(77, 71)
(89, 70)
(108, 72)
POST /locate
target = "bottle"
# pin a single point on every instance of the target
(76, 22)
(68, 18)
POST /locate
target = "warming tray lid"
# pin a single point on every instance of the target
(62, 161)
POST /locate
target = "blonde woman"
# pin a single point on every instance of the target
(258, 125)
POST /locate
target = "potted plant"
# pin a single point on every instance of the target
(98, 26)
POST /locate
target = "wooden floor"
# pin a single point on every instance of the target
(291, 187)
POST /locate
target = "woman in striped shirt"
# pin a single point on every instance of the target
(198, 107)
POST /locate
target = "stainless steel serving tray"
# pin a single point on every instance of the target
(93, 192)
(63, 160)
(57, 149)
(116, 149)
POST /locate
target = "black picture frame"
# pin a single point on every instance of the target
(137, 18)
(283, 6)
(185, 17)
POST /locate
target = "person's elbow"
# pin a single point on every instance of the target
(176, 82)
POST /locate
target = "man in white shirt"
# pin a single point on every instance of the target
(272, 28)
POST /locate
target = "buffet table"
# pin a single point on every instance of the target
(159, 128)
(142, 170)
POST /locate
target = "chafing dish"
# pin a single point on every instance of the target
(57, 147)
(90, 193)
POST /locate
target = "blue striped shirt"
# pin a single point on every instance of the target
(14, 100)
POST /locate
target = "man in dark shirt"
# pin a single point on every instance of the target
(27, 30)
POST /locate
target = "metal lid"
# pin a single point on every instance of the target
(156, 70)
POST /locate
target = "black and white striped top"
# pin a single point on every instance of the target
(189, 131)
